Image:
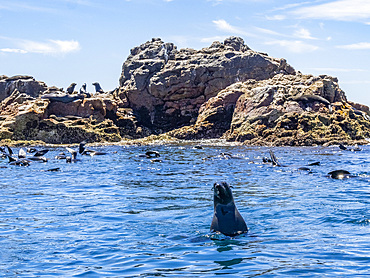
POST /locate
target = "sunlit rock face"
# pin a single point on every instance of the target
(282, 110)
(166, 86)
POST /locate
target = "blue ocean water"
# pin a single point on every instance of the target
(123, 215)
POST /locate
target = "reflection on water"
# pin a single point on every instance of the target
(122, 215)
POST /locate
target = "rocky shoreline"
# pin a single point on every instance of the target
(225, 91)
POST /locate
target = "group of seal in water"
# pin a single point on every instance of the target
(356, 148)
(38, 155)
(226, 219)
(337, 174)
(21, 159)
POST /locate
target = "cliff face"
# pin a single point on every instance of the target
(283, 110)
(225, 91)
(166, 86)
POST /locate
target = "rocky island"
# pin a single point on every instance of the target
(226, 90)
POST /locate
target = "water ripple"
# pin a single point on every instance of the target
(122, 215)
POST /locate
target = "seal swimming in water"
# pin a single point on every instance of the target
(83, 151)
(20, 161)
(340, 174)
(356, 148)
(274, 160)
(74, 156)
(150, 154)
(226, 217)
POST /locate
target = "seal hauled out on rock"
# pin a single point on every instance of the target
(226, 218)
(65, 98)
(98, 88)
(83, 89)
(71, 88)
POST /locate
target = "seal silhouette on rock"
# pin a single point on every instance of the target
(98, 88)
(71, 88)
(83, 89)
(226, 217)
(65, 98)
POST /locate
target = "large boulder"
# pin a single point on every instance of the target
(166, 87)
(282, 110)
(96, 119)
(24, 84)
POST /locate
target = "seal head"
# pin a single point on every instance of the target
(226, 218)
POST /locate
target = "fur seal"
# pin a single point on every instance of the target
(38, 155)
(65, 98)
(52, 170)
(31, 150)
(98, 88)
(20, 161)
(310, 98)
(226, 217)
(274, 160)
(71, 88)
(150, 154)
(61, 155)
(356, 148)
(83, 89)
(83, 151)
(74, 156)
(339, 174)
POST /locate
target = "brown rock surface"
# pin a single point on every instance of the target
(166, 87)
(92, 119)
(282, 110)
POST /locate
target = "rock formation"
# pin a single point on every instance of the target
(225, 91)
(23, 84)
(166, 87)
(282, 110)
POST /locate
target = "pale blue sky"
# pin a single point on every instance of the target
(65, 41)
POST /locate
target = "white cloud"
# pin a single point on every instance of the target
(294, 46)
(346, 10)
(13, 50)
(223, 25)
(356, 46)
(268, 31)
(277, 17)
(50, 47)
(303, 34)
(16, 7)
